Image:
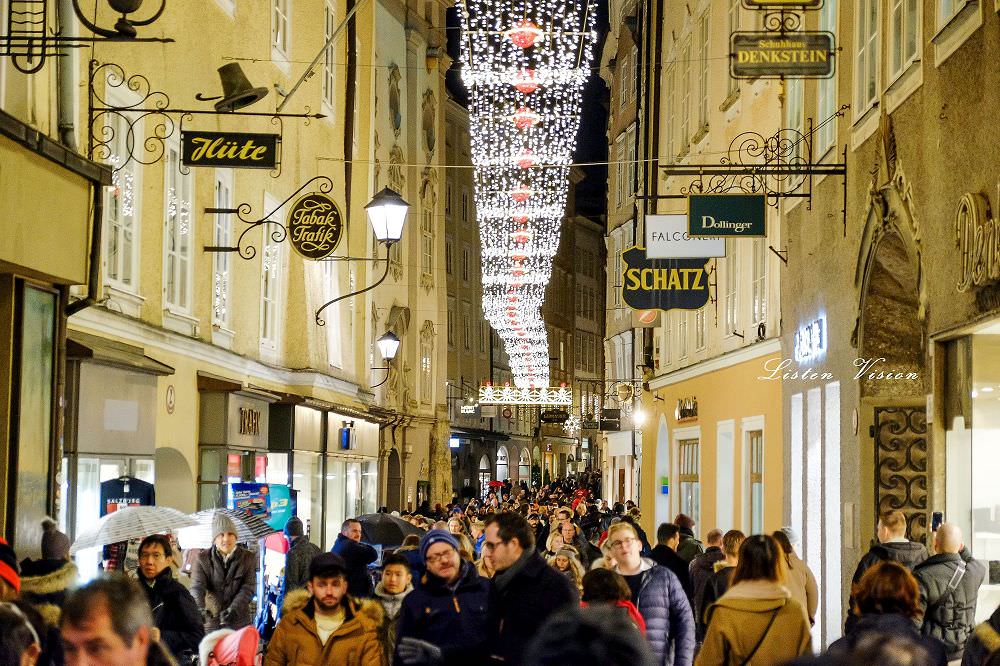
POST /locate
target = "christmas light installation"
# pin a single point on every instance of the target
(525, 63)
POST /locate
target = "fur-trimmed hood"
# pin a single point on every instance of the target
(45, 585)
(297, 600)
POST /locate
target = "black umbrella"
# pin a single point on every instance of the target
(385, 529)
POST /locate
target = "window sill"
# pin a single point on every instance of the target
(702, 133)
(269, 350)
(727, 103)
(864, 126)
(121, 300)
(180, 322)
(959, 28)
(228, 6)
(222, 337)
(280, 60)
(904, 85)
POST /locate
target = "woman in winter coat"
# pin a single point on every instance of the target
(567, 562)
(887, 603)
(756, 621)
(801, 582)
(225, 579)
(572, 536)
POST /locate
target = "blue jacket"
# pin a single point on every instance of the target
(455, 621)
(669, 623)
(357, 556)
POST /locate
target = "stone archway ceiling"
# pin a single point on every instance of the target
(525, 63)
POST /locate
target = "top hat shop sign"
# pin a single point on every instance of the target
(315, 226)
(240, 150)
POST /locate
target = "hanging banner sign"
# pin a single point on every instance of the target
(229, 149)
(554, 416)
(315, 226)
(667, 237)
(741, 215)
(663, 284)
(769, 55)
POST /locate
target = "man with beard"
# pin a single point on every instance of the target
(323, 625)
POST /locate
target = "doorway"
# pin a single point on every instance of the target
(394, 482)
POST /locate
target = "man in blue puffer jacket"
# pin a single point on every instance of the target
(658, 595)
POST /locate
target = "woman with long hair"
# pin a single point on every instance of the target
(756, 620)
(801, 582)
(567, 562)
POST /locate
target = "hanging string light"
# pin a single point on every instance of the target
(525, 63)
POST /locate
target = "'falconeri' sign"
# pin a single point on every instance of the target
(229, 149)
(763, 55)
(663, 284)
(315, 226)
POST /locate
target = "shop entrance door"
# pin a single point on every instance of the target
(900, 435)
(394, 482)
(621, 484)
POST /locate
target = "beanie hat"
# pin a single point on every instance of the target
(55, 545)
(8, 566)
(327, 564)
(793, 536)
(222, 524)
(436, 536)
(294, 527)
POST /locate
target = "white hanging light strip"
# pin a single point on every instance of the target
(525, 63)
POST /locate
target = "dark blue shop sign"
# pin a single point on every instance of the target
(741, 215)
(663, 284)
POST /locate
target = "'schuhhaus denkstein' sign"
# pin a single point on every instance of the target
(764, 55)
(240, 150)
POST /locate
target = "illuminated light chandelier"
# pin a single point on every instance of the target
(525, 63)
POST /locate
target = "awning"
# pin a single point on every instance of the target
(477, 433)
(93, 348)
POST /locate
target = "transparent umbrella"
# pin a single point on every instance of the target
(133, 522)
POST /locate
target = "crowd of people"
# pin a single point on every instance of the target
(550, 576)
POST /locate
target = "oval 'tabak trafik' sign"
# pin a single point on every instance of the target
(315, 225)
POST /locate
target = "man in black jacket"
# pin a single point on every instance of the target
(668, 536)
(358, 556)
(525, 589)
(175, 614)
(703, 566)
(300, 553)
(949, 584)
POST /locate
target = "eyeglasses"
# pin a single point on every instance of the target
(440, 557)
(626, 542)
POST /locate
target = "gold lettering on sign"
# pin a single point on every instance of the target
(223, 149)
(249, 421)
(977, 235)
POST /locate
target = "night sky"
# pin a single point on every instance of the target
(592, 140)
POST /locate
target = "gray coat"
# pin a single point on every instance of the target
(297, 563)
(225, 592)
(949, 616)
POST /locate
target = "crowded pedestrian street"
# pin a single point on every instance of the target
(499, 332)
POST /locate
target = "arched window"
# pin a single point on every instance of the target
(502, 465)
(484, 476)
(524, 466)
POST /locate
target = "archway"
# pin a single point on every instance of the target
(394, 482)
(485, 475)
(503, 464)
(524, 466)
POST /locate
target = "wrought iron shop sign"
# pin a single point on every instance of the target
(315, 226)
(764, 55)
(229, 149)
(663, 284)
(554, 416)
(740, 215)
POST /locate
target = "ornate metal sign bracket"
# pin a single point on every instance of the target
(28, 42)
(148, 110)
(780, 166)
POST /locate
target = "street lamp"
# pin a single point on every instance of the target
(387, 345)
(387, 214)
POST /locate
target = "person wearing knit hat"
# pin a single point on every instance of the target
(301, 551)
(567, 562)
(55, 544)
(445, 619)
(10, 577)
(224, 579)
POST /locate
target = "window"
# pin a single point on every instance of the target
(271, 284)
(562, 353)
(866, 57)
(755, 452)
(826, 104)
(793, 110)
(280, 30)
(465, 206)
(449, 256)
(624, 80)
(451, 322)
(426, 242)
(635, 73)
(665, 347)
(329, 63)
(690, 491)
(904, 30)
(734, 26)
(699, 329)
(578, 351)
(732, 280)
(672, 111)
(685, 73)
(948, 9)
(121, 206)
(222, 236)
(633, 158)
(758, 285)
(177, 233)
(682, 334)
(466, 327)
(620, 171)
(466, 263)
(703, 62)
(426, 383)
(448, 199)
(618, 279)
(484, 332)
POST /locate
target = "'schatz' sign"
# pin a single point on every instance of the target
(663, 284)
(239, 150)
(764, 55)
(740, 215)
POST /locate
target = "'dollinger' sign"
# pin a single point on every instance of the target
(663, 284)
(315, 225)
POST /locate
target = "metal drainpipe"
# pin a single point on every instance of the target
(94, 273)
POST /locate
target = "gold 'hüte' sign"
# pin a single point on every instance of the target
(249, 421)
(241, 150)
